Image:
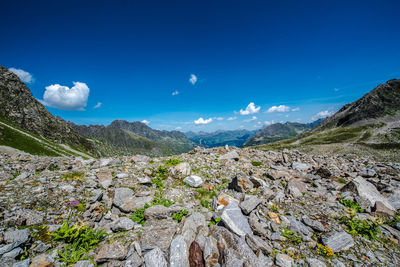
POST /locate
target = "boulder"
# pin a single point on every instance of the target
(283, 260)
(113, 251)
(105, 178)
(240, 183)
(338, 241)
(158, 233)
(179, 253)
(193, 181)
(155, 258)
(234, 220)
(122, 224)
(249, 203)
(300, 166)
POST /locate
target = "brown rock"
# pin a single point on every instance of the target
(41, 261)
(195, 255)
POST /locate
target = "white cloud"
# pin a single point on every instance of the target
(175, 92)
(250, 109)
(252, 119)
(280, 108)
(269, 122)
(321, 115)
(218, 118)
(295, 109)
(335, 89)
(25, 76)
(193, 79)
(98, 105)
(201, 121)
(178, 128)
(63, 97)
(145, 122)
(232, 118)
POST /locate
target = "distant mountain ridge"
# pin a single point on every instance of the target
(123, 137)
(280, 131)
(20, 108)
(220, 138)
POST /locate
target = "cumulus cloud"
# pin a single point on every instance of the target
(201, 121)
(218, 118)
(25, 76)
(176, 92)
(63, 97)
(178, 128)
(280, 108)
(321, 115)
(145, 122)
(250, 109)
(98, 105)
(295, 109)
(252, 119)
(232, 118)
(193, 79)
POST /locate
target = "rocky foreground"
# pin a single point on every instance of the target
(209, 207)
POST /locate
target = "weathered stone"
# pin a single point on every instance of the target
(181, 170)
(123, 224)
(296, 187)
(140, 159)
(24, 263)
(133, 259)
(157, 212)
(144, 180)
(17, 236)
(193, 181)
(158, 233)
(338, 241)
(97, 195)
(113, 251)
(42, 261)
(121, 175)
(30, 217)
(195, 255)
(192, 225)
(155, 258)
(300, 166)
(367, 172)
(381, 208)
(249, 203)
(179, 254)
(105, 178)
(83, 263)
(316, 225)
(234, 219)
(211, 251)
(256, 243)
(13, 253)
(233, 155)
(283, 260)
(124, 199)
(240, 183)
(299, 227)
(315, 262)
(366, 190)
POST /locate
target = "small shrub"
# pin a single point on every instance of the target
(342, 180)
(350, 204)
(274, 208)
(256, 163)
(367, 228)
(205, 203)
(214, 221)
(76, 176)
(173, 162)
(291, 235)
(159, 200)
(158, 181)
(177, 216)
(138, 216)
(162, 171)
(80, 240)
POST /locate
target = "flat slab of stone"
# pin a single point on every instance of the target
(249, 203)
(155, 258)
(234, 220)
(158, 233)
(338, 241)
(193, 181)
(113, 251)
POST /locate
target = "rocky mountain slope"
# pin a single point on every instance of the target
(18, 108)
(280, 131)
(209, 207)
(220, 138)
(368, 126)
(124, 138)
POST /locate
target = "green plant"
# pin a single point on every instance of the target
(284, 184)
(324, 251)
(173, 162)
(342, 180)
(158, 181)
(138, 216)
(205, 203)
(76, 175)
(214, 221)
(350, 204)
(291, 235)
(162, 171)
(256, 163)
(367, 228)
(274, 208)
(79, 239)
(179, 215)
(159, 200)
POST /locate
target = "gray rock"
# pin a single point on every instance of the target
(113, 251)
(30, 217)
(193, 224)
(316, 225)
(394, 199)
(300, 166)
(211, 251)
(13, 253)
(97, 195)
(155, 258)
(234, 220)
(337, 263)
(42, 260)
(123, 224)
(233, 155)
(315, 262)
(179, 255)
(249, 203)
(17, 236)
(338, 241)
(256, 243)
(182, 169)
(140, 159)
(144, 180)
(124, 199)
(22, 176)
(158, 233)
(283, 260)
(40, 247)
(240, 183)
(105, 178)
(133, 259)
(366, 190)
(299, 227)
(367, 172)
(83, 263)
(24, 263)
(193, 181)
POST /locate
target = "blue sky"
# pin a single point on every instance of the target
(295, 58)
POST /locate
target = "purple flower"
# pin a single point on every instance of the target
(74, 203)
(67, 204)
